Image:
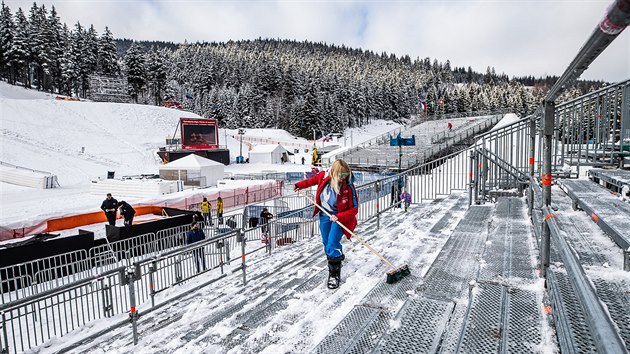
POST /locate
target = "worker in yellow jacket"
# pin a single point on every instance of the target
(220, 210)
(206, 211)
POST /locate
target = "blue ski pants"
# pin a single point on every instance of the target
(331, 236)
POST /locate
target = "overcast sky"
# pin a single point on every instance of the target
(515, 37)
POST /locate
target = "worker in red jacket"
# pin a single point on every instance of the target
(337, 195)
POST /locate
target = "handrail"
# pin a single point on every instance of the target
(591, 94)
(616, 19)
(516, 173)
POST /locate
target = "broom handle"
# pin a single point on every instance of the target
(348, 230)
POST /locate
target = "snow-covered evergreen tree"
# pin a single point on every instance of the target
(88, 44)
(107, 63)
(70, 62)
(7, 56)
(156, 75)
(136, 72)
(56, 43)
(39, 51)
(21, 49)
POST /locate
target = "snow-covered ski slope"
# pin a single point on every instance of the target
(39, 132)
(81, 141)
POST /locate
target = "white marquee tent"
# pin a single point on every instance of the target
(194, 170)
(268, 154)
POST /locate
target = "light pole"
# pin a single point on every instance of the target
(241, 131)
(314, 145)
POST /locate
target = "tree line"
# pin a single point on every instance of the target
(303, 87)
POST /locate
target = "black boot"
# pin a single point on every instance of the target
(334, 274)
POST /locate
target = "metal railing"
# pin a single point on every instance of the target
(387, 158)
(592, 129)
(446, 116)
(31, 277)
(152, 266)
(35, 319)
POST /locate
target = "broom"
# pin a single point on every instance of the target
(395, 274)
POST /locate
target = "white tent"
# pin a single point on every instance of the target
(268, 154)
(194, 170)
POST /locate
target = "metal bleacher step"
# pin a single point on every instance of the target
(593, 248)
(504, 312)
(610, 213)
(473, 304)
(362, 328)
(368, 326)
(246, 336)
(616, 180)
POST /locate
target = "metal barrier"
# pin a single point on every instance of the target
(35, 319)
(29, 277)
(388, 158)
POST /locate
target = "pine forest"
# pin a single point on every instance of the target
(302, 87)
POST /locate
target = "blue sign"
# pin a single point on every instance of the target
(400, 141)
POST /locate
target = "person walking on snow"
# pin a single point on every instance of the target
(206, 209)
(109, 206)
(406, 198)
(127, 212)
(338, 196)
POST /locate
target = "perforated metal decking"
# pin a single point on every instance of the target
(475, 297)
(585, 237)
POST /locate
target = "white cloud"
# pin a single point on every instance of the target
(516, 37)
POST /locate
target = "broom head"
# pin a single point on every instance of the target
(398, 273)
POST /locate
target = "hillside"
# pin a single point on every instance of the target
(42, 133)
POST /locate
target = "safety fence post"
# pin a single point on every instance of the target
(106, 292)
(470, 178)
(226, 245)
(152, 270)
(476, 174)
(378, 213)
(4, 343)
(547, 125)
(178, 269)
(240, 238)
(532, 155)
(220, 244)
(270, 236)
(128, 277)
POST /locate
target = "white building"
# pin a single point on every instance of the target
(268, 154)
(194, 170)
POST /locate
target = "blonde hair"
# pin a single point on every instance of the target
(339, 166)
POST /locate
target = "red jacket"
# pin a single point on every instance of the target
(347, 200)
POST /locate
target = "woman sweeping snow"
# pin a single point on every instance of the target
(337, 195)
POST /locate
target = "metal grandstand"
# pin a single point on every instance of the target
(511, 256)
